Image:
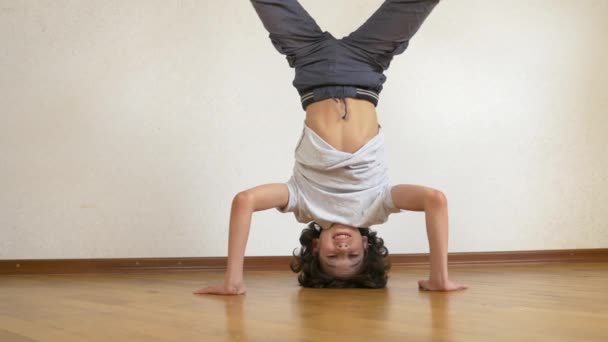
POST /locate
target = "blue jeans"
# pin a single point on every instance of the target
(352, 66)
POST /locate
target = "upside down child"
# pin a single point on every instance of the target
(340, 185)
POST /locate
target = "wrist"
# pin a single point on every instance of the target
(438, 278)
(233, 280)
(234, 272)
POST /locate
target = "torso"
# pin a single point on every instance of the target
(361, 124)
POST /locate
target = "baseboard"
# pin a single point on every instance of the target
(46, 266)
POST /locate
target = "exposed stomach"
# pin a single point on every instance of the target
(350, 134)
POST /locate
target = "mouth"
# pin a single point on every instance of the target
(341, 235)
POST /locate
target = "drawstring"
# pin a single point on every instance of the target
(345, 108)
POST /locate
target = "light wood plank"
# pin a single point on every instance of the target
(556, 302)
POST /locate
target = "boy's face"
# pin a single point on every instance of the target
(340, 250)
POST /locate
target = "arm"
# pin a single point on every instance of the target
(434, 204)
(245, 203)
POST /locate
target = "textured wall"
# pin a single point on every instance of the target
(127, 126)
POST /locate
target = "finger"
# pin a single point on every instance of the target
(205, 290)
(209, 293)
(457, 287)
(422, 285)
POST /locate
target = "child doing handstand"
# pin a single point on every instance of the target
(340, 184)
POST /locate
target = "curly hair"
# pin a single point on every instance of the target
(374, 273)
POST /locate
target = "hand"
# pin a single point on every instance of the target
(427, 285)
(222, 289)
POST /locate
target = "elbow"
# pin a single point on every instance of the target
(243, 199)
(436, 199)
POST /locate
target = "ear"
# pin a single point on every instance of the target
(365, 242)
(315, 246)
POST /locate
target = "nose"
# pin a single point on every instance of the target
(342, 246)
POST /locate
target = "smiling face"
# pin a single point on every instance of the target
(341, 249)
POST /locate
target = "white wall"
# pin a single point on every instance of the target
(126, 127)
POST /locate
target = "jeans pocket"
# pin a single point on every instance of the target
(384, 59)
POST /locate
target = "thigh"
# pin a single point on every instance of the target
(389, 29)
(289, 26)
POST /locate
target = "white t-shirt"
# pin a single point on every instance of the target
(330, 186)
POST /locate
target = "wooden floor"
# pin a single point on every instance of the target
(565, 302)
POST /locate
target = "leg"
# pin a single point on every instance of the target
(290, 27)
(388, 31)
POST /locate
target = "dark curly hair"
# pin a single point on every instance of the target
(374, 272)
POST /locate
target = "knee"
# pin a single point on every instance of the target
(436, 198)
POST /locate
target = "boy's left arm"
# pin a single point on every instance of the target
(434, 204)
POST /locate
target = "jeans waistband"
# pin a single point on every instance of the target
(327, 92)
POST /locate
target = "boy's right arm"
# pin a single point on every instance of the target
(246, 202)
